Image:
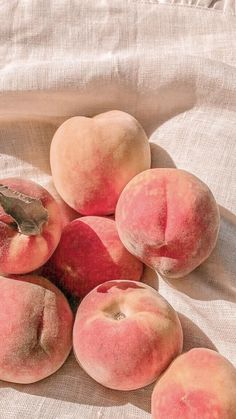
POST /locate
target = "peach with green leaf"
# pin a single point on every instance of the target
(30, 225)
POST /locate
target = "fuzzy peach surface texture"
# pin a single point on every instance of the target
(35, 329)
(89, 253)
(125, 334)
(20, 253)
(169, 219)
(200, 384)
(92, 159)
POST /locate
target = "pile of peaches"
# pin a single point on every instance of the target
(125, 335)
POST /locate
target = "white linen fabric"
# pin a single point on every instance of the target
(172, 66)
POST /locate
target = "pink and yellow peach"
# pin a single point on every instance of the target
(21, 253)
(169, 219)
(200, 384)
(92, 159)
(89, 253)
(125, 334)
(35, 329)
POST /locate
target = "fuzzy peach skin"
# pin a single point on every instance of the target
(200, 384)
(67, 213)
(169, 219)
(125, 334)
(20, 253)
(92, 159)
(89, 253)
(35, 329)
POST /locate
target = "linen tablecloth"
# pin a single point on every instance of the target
(171, 64)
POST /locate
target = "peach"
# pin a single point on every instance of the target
(35, 328)
(29, 232)
(169, 219)
(67, 213)
(92, 159)
(90, 253)
(125, 334)
(200, 384)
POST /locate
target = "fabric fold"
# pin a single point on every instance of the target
(226, 6)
